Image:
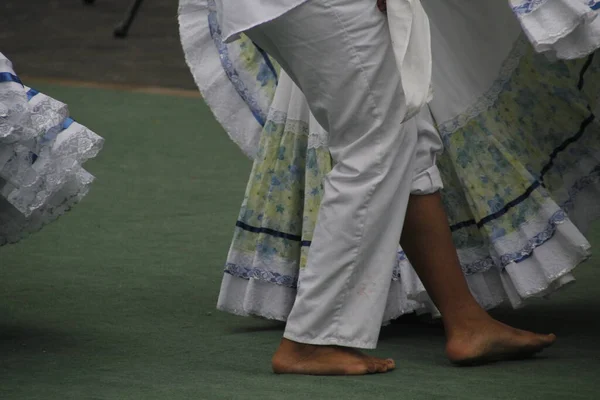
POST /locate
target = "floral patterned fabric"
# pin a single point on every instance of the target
(500, 171)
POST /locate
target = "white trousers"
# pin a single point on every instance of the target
(339, 53)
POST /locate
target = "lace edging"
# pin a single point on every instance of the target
(489, 98)
(316, 139)
(527, 6)
(476, 267)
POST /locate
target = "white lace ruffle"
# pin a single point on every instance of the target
(220, 95)
(41, 155)
(564, 29)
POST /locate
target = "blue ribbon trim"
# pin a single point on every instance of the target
(8, 77)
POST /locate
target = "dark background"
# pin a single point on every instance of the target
(72, 40)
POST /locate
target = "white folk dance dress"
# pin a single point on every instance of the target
(521, 165)
(41, 155)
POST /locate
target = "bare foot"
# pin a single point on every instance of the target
(297, 358)
(486, 340)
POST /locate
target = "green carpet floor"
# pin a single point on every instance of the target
(116, 300)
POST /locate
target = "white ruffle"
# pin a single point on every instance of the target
(41, 155)
(548, 269)
(564, 29)
(203, 59)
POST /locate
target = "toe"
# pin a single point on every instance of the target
(377, 365)
(391, 364)
(382, 366)
(551, 338)
(544, 340)
(372, 366)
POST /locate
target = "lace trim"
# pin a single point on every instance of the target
(203, 60)
(41, 152)
(228, 67)
(526, 6)
(592, 178)
(563, 29)
(557, 218)
(55, 167)
(479, 266)
(14, 118)
(15, 226)
(529, 6)
(267, 69)
(262, 275)
(316, 139)
(48, 149)
(486, 262)
(489, 98)
(476, 267)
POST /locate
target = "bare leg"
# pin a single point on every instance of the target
(472, 335)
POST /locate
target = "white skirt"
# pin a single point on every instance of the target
(518, 226)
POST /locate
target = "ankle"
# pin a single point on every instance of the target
(464, 318)
(288, 346)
